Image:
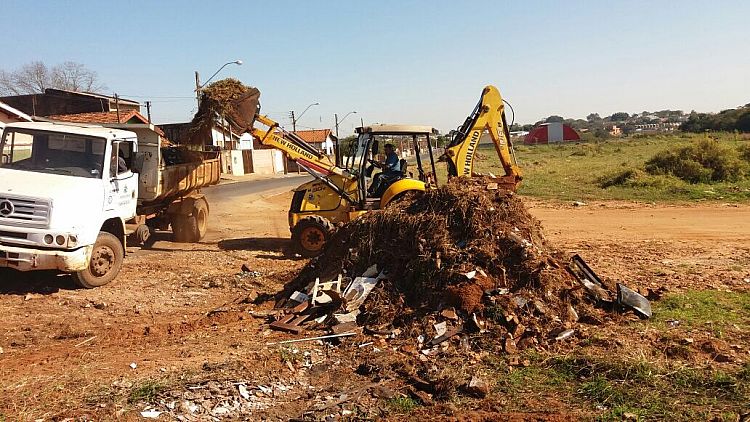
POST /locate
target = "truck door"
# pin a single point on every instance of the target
(123, 186)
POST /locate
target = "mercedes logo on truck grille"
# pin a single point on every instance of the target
(6, 208)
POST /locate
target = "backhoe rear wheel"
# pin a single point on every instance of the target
(310, 235)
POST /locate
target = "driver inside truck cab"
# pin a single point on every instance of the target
(123, 152)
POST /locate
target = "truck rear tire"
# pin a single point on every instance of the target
(105, 264)
(310, 235)
(200, 212)
(191, 228)
(141, 235)
(179, 228)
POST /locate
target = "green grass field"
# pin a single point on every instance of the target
(572, 171)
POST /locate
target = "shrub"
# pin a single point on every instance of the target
(619, 178)
(703, 162)
(744, 151)
(636, 178)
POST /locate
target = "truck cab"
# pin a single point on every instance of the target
(65, 194)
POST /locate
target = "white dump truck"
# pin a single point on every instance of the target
(70, 195)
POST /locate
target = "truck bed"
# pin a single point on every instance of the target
(180, 179)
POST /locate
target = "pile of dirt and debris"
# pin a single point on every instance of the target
(466, 260)
(225, 99)
(178, 154)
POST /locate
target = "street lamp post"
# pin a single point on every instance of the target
(338, 144)
(295, 119)
(198, 85)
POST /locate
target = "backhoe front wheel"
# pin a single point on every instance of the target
(310, 235)
(105, 263)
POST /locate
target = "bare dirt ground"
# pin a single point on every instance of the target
(176, 315)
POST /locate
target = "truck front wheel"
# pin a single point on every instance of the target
(105, 264)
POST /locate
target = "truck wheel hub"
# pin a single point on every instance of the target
(102, 261)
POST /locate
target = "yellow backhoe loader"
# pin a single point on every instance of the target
(339, 192)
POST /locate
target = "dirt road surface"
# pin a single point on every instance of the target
(173, 315)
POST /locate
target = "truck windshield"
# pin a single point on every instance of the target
(51, 152)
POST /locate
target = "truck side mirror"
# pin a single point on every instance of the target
(138, 162)
(6, 159)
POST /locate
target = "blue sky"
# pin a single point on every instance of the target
(422, 62)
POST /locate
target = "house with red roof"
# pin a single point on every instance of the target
(9, 114)
(322, 139)
(62, 102)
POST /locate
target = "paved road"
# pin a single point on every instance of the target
(226, 192)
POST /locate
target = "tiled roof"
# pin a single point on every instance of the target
(92, 95)
(104, 117)
(100, 117)
(315, 135)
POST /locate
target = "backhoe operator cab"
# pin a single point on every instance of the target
(318, 205)
(371, 144)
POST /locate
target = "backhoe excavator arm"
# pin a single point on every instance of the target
(489, 115)
(302, 153)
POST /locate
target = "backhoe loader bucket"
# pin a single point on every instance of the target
(245, 108)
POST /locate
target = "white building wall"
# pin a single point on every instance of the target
(246, 141)
(278, 161)
(238, 168)
(555, 132)
(263, 161)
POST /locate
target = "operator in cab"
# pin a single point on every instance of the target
(390, 167)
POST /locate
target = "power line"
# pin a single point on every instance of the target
(173, 101)
(152, 96)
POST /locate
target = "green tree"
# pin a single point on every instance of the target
(743, 122)
(347, 144)
(593, 117)
(619, 116)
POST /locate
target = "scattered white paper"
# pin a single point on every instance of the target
(299, 297)
(151, 414)
(440, 328)
(243, 391)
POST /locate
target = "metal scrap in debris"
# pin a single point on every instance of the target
(631, 299)
(564, 334)
(584, 268)
(626, 296)
(297, 340)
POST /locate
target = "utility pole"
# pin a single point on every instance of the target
(294, 121)
(197, 88)
(361, 122)
(117, 107)
(338, 142)
(148, 111)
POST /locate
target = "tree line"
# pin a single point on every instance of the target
(731, 120)
(36, 76)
